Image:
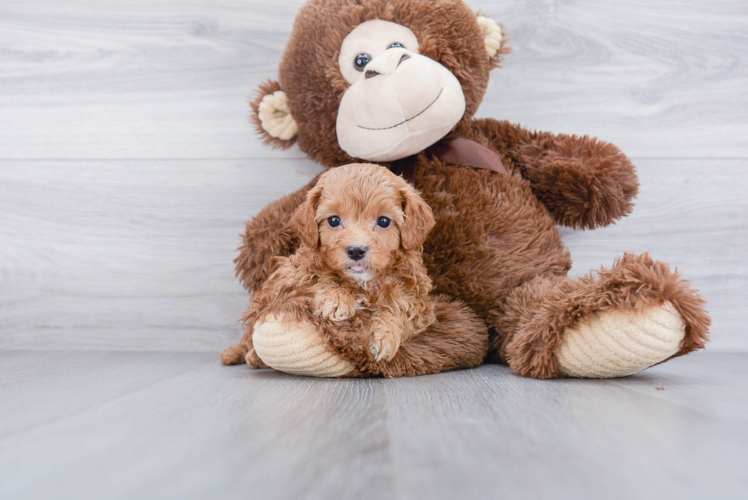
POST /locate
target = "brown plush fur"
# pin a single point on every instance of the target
(447, 32)
(495, 245)
(540, 310)
(268, 235)
(265, 88)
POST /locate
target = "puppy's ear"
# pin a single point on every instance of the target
(272, 116)
(304, 218)
(419, 220)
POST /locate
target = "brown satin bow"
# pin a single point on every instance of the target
(457, 150)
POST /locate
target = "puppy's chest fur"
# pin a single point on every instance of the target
(367, 296)
(362, 302)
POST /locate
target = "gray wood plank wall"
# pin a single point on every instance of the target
(127, 163)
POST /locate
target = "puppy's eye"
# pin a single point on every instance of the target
(334, 221)
(396, 45)
(361, 61)
(383, 222)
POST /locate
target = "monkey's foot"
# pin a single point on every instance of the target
(617, 343)
(297, 347)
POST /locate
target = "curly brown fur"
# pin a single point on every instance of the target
(457, 339)
(244, 351)
(322, 279)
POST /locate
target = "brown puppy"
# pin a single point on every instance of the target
(361, 230)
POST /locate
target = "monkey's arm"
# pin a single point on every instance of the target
(268, 235)
(583, 182)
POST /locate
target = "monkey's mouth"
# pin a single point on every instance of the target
(407, 119)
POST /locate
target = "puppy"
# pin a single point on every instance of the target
(361, 230)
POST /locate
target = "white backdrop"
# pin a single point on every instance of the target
(128, 165)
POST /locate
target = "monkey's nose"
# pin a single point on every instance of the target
(356, 253)
(386, 64)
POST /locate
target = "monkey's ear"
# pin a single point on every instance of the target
(419, 219)
(304, 219)
(491, 35)
(272, 116)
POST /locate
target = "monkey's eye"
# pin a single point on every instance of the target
(383, 222)
(334, 221)
(361, 61)
(396, 45)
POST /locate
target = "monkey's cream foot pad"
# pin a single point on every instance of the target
(296, 347)
(616, 343)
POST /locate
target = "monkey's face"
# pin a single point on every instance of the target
(399, 102)
(377, 80)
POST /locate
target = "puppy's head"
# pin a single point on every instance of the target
(360, 217)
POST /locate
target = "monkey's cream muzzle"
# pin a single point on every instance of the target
(401, 103)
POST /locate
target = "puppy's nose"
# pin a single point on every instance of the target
(356, 253)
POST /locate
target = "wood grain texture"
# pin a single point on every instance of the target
(130, 255)
(40, 387)
(138, 255)
(658, 79)
(130, 164)
(231, 432)
(131, 79)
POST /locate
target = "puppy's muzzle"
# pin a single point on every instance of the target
(356, 252)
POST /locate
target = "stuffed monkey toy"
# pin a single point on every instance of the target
(398, 82)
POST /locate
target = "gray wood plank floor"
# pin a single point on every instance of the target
(110, 425)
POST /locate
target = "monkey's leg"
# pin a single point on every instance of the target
(235, 354)
(304, 345)
(609, 324)
(288, 341)
(458, 339)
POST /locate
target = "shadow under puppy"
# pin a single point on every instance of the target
(358, 278)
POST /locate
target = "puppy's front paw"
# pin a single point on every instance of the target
(384, 346)
(342, 314)
(337, 307)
